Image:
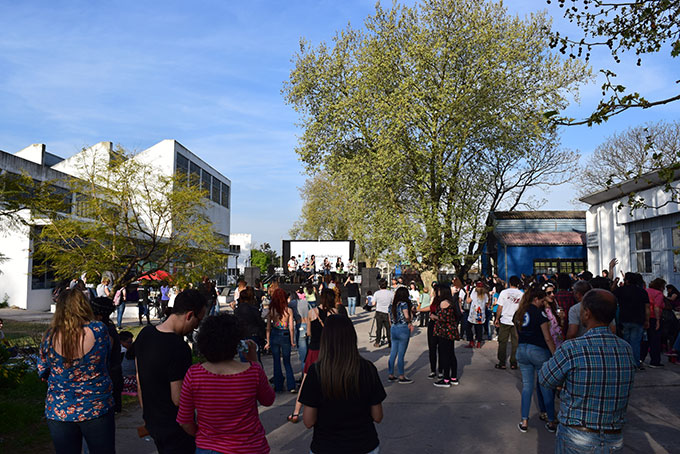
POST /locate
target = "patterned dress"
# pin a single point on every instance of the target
(82, 390)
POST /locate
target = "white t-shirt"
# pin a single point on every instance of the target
(478, 308)
(382, 300)
(415, 295)
(509, 299)
(292, 266)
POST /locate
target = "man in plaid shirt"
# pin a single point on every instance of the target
(596, 372)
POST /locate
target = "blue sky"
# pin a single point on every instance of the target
(209, 74)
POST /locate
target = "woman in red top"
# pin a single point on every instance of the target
(653, 344)
(224, 393)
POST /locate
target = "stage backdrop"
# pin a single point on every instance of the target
(303, 249)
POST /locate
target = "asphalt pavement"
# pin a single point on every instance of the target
(478, 416)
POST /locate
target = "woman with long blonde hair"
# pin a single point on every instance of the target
(478, 299)
(342, 394)
(73, 360)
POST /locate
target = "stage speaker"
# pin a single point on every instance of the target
(251, 274)
(369, 279)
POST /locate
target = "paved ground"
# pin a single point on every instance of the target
(480, 415)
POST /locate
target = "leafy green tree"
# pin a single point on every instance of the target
(127, 223)
(433, 115)
(263, 257)
(639, 26)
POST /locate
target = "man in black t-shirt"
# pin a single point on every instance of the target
(633, 312)
(162, 358)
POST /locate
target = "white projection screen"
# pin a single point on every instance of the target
(303, 249)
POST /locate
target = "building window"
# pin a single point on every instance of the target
(42, 274)
(554, 266)
(225, 196)
(182, 164)
(643, 252)
(206, 182)
(195, 173)
(215, 190)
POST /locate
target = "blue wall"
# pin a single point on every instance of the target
(521, 258)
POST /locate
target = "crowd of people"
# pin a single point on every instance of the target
(577, 340)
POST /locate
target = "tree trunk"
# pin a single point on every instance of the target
(428, 276)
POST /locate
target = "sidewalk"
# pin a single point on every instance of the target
(480, 415)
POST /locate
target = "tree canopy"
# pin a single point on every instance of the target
(128, 219)
(639, 26)
(434, 114)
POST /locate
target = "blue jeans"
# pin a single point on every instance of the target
(632, 333)
(301, 341)
(206, 451)
(400, 337)
(99, 433)
(119, 311)
(212, 308)
(351, 305)
(572, 441)
(676, 345)
(279, 342)
(530, 359)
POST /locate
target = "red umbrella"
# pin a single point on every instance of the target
(159, 275)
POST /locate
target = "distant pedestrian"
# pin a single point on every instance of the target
(596, 372)
(634, 309)
(382, 301)
(576, 328)
(402, 326)
(281, 338)
(353, 294)
(656, 305)
(445, 328)
(508, 302)
(478, 299)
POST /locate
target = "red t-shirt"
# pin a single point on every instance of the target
(226, 409)
(655, 300)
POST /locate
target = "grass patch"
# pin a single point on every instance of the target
(22, 423)
(24, 334)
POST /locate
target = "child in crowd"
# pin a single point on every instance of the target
(127, 353)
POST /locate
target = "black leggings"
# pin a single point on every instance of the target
(478, 331)
(432, 342)
(447, 358)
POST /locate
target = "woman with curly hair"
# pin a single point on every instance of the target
(281, 338)
(219, 397)
(400, 331)
(73, 359)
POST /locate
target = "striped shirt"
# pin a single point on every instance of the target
(226, 409)
(596, 371)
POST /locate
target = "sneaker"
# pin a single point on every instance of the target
(470, 345)
(431, 375)
(292, 391)
(655, 366)
(442, 383)
(454, 382)
(392, 378)
(440, 375)
(405, 381)
(641, 367)
(479, 344)
(522, 428)
(552, 428)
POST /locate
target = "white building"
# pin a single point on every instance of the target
(643, 239)
(29, 290)
(245, 242)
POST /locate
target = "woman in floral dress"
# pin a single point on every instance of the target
(445, 328)
(73, 361)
